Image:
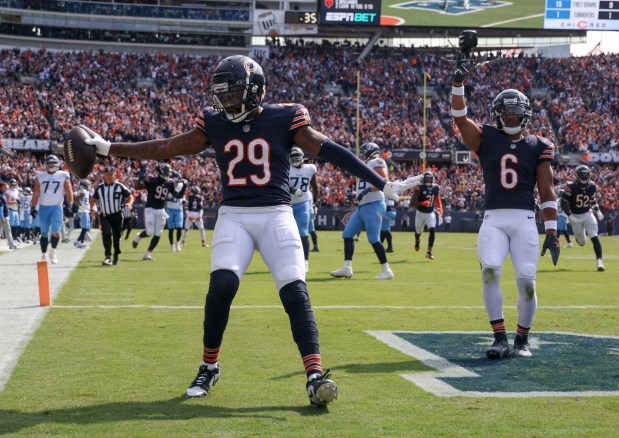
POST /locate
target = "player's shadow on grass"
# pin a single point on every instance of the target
(404, 366)
(176, 409)
(555, 271)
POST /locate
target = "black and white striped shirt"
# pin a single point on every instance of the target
(110, 198)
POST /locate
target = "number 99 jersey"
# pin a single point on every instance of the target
(510, 168)
(253, 155)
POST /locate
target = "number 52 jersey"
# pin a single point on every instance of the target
(253, 156)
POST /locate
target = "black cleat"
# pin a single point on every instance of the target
(499, 349)
(322, 391)
(203, 382)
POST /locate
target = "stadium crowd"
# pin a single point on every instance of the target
(132, 97)
(139, 96)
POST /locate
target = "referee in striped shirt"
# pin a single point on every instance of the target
(111, 196)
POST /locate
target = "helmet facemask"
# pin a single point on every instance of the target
(237, 87)
(52, 164)
(583, 176)
(511, 111)
(296, 157)
(369, 151)
(428, 179)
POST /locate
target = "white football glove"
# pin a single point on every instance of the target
(598, 213)
(393, 189)
(298, 193)
(102, 146)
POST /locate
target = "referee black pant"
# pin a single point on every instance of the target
(111, 231)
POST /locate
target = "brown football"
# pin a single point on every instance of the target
(79, 156)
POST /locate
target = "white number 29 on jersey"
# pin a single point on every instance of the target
(257, 153)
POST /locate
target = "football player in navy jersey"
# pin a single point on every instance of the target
(195, 210)
(427, 199)
(252, 144)
(512, 164)
(158, 187)
(580, 204)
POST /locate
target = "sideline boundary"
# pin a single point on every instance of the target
(20, 312)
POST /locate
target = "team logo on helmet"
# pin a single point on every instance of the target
(369, 150)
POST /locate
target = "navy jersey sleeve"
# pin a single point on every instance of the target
(301, 118)
(547, 150)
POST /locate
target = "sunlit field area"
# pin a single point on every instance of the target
(119, 346)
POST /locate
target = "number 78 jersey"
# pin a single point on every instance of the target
(253, 156)
(509, 168)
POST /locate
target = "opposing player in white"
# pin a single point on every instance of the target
(83, 212)
(50, 188)
(369, 215)
(303, 188)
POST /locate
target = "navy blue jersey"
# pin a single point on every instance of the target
(509, 168)
(158, 190)
(195, 203)
(579, 198)
(253, 156)
(427, 194)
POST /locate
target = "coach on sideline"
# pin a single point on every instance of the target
(111, 196)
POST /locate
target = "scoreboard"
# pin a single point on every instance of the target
(582, 14)
(350, 12)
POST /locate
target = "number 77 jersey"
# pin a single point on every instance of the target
(510, 168)
(253, 155)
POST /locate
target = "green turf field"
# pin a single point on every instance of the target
(505, 14)
(116, 352)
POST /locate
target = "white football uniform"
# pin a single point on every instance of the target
(299, 178)
(583, 224)
(270, 230)
(83, 196)
(154, 220)
(423, 219)
(52, 187)
(378, 195)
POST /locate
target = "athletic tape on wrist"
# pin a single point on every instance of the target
(550, 225)
(457, 91)
(458, 113)
(548, 204)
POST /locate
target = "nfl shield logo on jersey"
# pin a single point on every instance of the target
(245, 129)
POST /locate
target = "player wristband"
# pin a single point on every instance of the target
(457, 91)
(550, 225)
(458, 113)
(548, 204)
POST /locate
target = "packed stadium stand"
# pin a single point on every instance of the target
(137, 95)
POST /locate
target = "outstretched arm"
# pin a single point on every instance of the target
(320, 145)
(187, 143)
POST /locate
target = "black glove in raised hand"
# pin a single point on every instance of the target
(461, 70)
(362, 193)
(551, 243)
